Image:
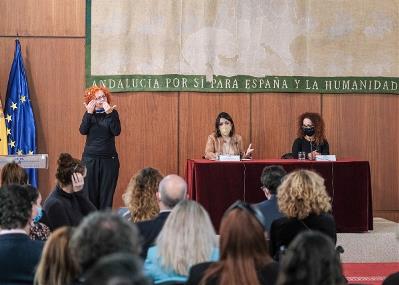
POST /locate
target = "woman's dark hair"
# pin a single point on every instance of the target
(318, 124)
(16, 205)
(67, 165)
(311, 259)
(272, 177)
(243, 249)
(12, 173)
(226, 116)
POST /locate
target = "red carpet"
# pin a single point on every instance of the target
(369, 273)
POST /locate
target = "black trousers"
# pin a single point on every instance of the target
(101, 179)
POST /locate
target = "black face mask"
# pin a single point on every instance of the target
(309, 131)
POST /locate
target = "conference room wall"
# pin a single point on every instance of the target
(164, 129)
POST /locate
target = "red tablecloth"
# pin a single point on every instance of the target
(216, 185)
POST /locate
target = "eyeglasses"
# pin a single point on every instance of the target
(254, 211)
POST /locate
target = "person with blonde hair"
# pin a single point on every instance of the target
(187, 238)
(303, 199)
(56, 266)
(140, 195)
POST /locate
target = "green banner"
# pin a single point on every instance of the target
(242, 83)
(202, 46)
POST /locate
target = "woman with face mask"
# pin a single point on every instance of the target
(224, 140)
(311, 138)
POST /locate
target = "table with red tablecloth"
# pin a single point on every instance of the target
(217, 184)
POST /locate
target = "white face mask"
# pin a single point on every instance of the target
(225, 130)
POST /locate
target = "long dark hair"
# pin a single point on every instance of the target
(318, 124)
(226, 116)
(243, 250)
(311, 259)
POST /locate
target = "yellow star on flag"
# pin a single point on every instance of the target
(14, 105)
(23, 99)
(8, 131)
(8, 118)
(30, 152)
(11, 143)
(19, 152)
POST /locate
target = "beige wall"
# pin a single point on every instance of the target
(162, 130)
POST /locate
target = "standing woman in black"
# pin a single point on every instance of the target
(311, 138)
(101, 125)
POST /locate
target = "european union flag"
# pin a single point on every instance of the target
(20, 123)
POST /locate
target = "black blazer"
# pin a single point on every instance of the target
(266, 276)
(19, 257)
(149, 231)
(284, 230)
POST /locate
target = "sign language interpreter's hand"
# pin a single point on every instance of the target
(107, 108)
(90, 107)
(77, 182)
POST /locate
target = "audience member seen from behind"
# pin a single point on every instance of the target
(56, 266)
(271, 178)
(100, 124)
(117, 269)
(303, 199)
(19, 255)
(224, 140)
(12, 173)
(140, 195)
(311, 259)
(67, 204)
(187, 238)
(311, 138)
(101, 234)
(172, 189)
(244, 254)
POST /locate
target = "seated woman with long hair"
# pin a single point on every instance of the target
(140, 195)
(187, 238)
(56, 266)
(244, 254)
(311, 259)
(303, 199)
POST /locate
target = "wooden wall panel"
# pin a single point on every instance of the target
(56, 84)
(197, 114)
(273, 121)
(366, 127)
(42, 18)
(149, 134)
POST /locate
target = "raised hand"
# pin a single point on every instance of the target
(249, 150)
(107, 108)
(77, 182)
(90, 107)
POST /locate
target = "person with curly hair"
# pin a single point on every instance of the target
(303, 199)
(67, 204)
(12, 173)
(100, 125)
(140, 195)
(19, 254)
(311, 138)
(311, 259)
